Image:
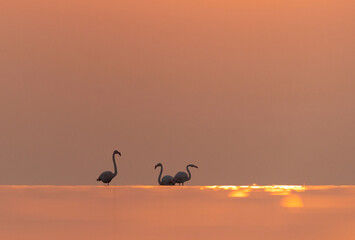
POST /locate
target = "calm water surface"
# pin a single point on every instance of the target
(207, 212)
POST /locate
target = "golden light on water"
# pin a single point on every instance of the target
(90, 212)
(264, 187)
(292, 201)
(217, 187)
(238, 194)
(243, 191)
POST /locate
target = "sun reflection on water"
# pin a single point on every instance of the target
(239, 193)
(292, 201)
(277, 189)
(88, 212)
(244, 191)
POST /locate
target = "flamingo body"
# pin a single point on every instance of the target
(106, 177)
(181, 177)
(167, 180)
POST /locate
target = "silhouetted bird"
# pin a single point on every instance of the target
(167, 179)
(107, 176)
(182, 177)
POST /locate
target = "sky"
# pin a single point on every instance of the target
(250, 91)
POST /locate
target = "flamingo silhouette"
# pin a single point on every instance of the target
(167, 179)
(182, 177)
(107, 176)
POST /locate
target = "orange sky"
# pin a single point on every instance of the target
(250, 91)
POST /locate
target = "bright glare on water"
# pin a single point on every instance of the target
(189, 213)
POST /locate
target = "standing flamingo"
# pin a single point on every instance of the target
(107, 176)
(182, 177)
(167, 179)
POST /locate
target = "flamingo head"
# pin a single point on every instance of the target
(158, 165)
(192, 165)
(117, 152)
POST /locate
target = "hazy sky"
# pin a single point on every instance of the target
(250, 91)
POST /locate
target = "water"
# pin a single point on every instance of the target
(147, 212)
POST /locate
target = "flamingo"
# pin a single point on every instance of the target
(107, 176)
(182, 177)
(167, 179)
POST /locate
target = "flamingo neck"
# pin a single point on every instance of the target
(187, 169)
(114, 163)
(161, 171)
